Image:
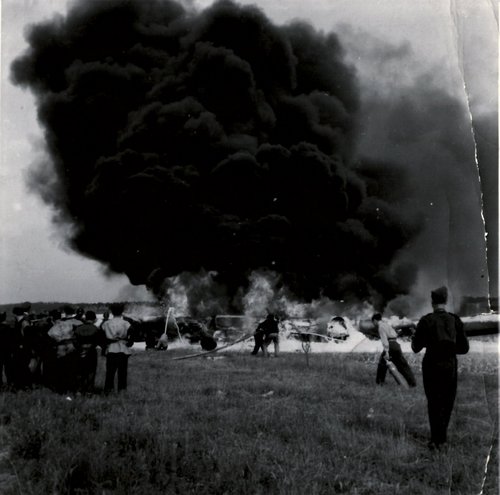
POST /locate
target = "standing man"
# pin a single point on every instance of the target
(87, 338)
(6, 347)
(118, 350)
(49, 359)
(63, 371)
(21, 376)
(443, 336)
(391, 352)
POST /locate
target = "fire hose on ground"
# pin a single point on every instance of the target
(200, 354)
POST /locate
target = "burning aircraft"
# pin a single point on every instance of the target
(478, 325)
(158, 331)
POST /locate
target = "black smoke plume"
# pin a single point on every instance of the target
(212, 141)
(418, 124)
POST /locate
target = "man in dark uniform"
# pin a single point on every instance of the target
(443, 336)
(87, 338)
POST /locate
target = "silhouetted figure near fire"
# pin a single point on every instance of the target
(391, 352)
(270, 333)
(118, 351)
(258, 338)
(443, 336)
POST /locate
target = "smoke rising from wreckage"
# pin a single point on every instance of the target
(209, 141)
(214, 143)
(224, 330)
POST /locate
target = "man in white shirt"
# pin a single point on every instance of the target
(391, 352)
(118, 352)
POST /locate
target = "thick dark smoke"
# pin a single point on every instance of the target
(212, 141)
(416, 119)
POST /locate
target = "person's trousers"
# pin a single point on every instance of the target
(116, 363)
(87, 367)
(65, 373)
(398, 359)
(440, 385)
(272, 337)
(4, 366)
(259, 343)
(19, 369)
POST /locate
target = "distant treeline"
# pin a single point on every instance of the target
(70, 308)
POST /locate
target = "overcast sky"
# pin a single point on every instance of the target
(34, 263)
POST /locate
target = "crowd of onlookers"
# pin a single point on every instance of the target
(60, 350)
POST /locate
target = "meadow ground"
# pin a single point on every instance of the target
(238, 424)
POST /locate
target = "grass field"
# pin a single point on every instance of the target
(238, 424)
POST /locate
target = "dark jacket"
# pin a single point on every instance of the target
(87, 337)
(8, 339)
(442, 334)
(268, 326)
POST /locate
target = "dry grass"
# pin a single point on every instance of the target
(245, 425)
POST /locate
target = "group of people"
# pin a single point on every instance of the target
(442, 335)
(61, 352)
